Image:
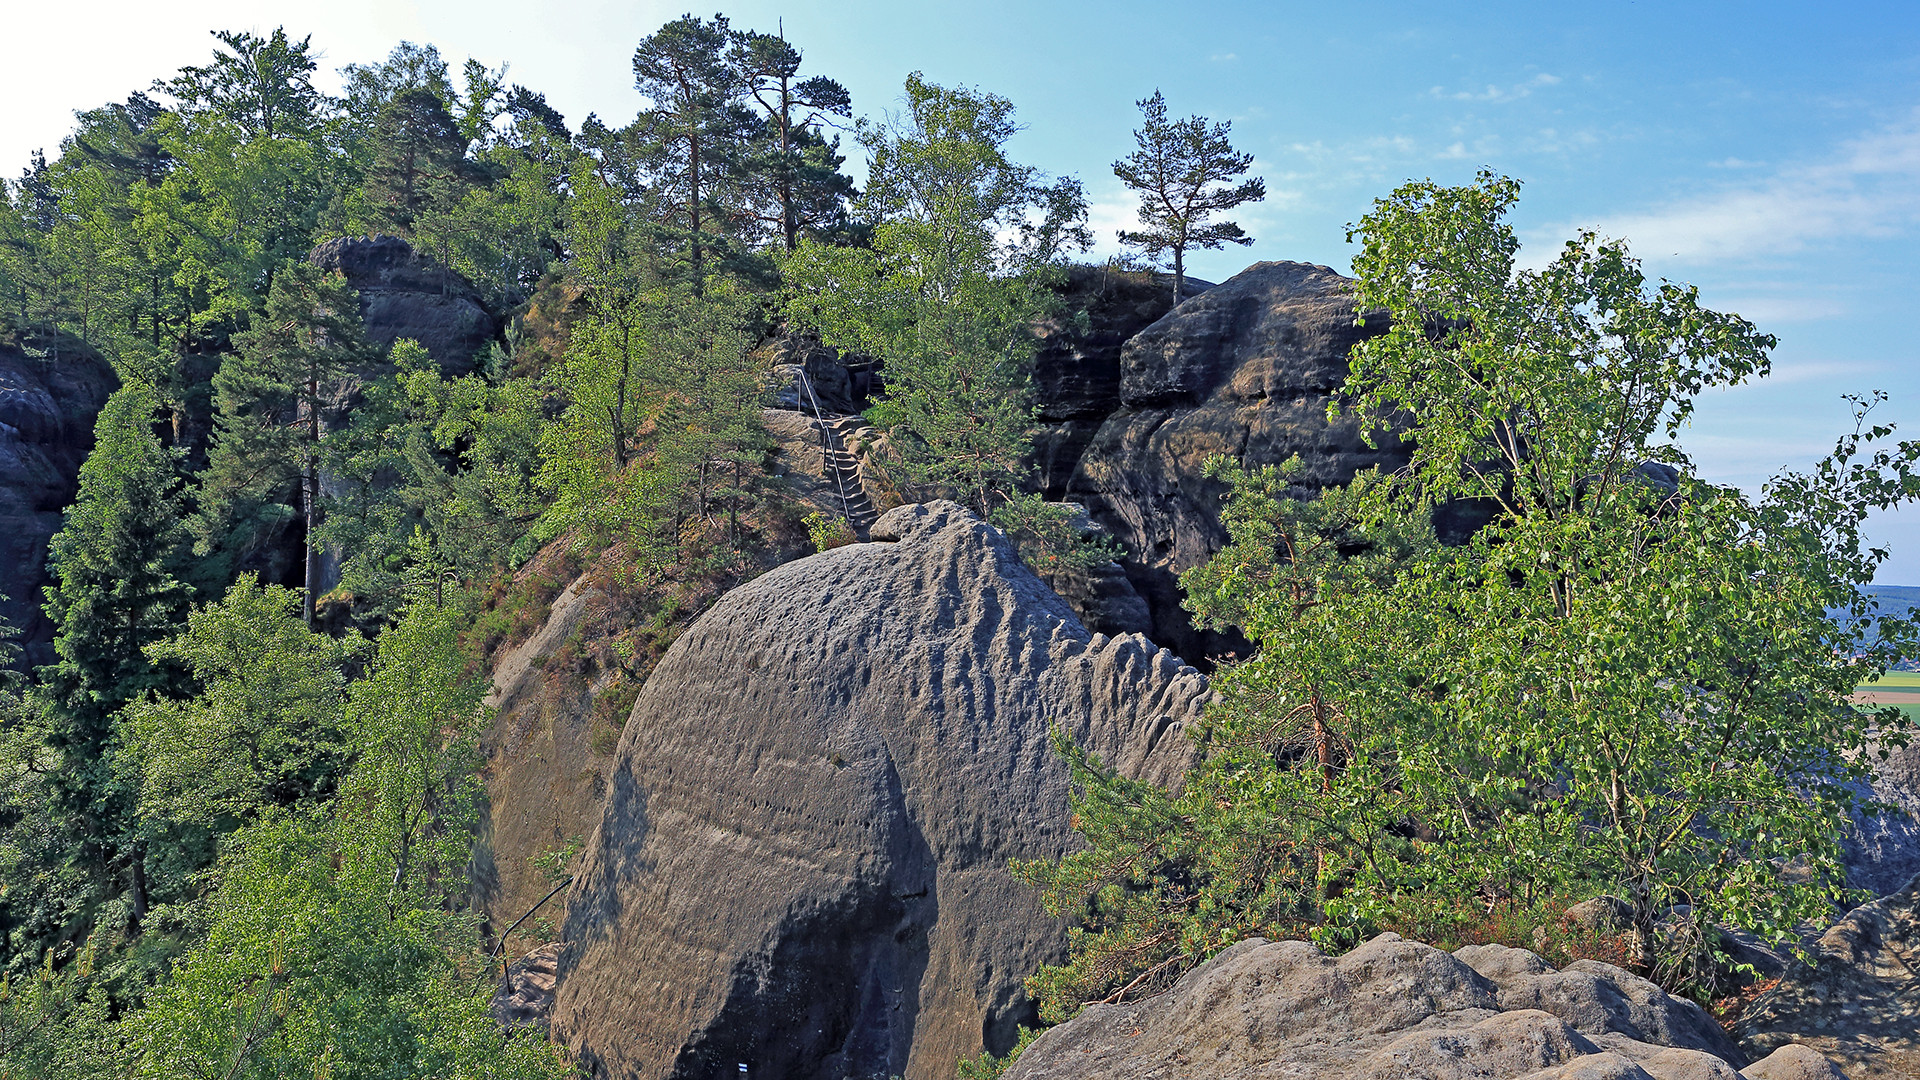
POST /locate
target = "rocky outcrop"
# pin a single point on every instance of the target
(49, 397)
(1882, 851)
(802, 864)
(404, 295)
(545, 779)
(1392, 1009)
(1245, 369)
(1076, 371)
(1857, 999)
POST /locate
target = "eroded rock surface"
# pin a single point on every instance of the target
(1246, 370)
(1859, 1000)
(403, 295)
(1393, 1009)
(802, 864)
(48, 404)
(1076, 372)
(1882, 851)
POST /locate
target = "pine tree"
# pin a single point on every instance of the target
(116, 566)
(272, 397)
(694, 136)
(796, 168)
(418, 153)
(1176, 169)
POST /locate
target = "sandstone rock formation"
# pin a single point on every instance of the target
(403, 294)
(1882, 852)
(1393, 1009)
(545, 782)
(802, 864)
(1076, 372)
(1245, 369)
(1858, 1001)
(48, 401)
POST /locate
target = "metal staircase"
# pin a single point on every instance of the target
(841, 469)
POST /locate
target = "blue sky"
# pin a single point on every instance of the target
(1768, 152)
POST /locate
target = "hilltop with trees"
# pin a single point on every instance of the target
(241, 800)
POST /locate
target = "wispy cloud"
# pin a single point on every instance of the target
(1868, 188)
(1498, 94)
(1221, 58)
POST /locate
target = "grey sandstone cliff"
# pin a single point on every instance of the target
(1245, 370)
(48, 403)
(1395, 1009)
(1856, 997)
(405, 295)
(802, 864)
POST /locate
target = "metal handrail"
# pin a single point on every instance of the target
(828, 450)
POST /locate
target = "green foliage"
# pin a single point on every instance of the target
(939, 296)
(116, 566)
(1182, 170)
(266, 728)
(292, 369)
(1628, 682)
(989, 1066)
(828, 531)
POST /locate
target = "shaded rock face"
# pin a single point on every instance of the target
(1858, 1000)
(1392, 1009)
(1245, 369)
(47, 409)
(404, 295)
(1076, 371)
(1882, 852)
(802, 865)
(544, 779)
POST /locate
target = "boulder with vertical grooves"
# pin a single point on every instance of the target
(802, 863)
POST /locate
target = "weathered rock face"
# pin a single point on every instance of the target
(1076, 372)
(1392, 1009)
(1858, 1001)
(1882, 852)
(405, 295)
(802, 862)
(1245, 369)
(47, 409)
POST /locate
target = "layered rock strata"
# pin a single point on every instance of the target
(802, 864)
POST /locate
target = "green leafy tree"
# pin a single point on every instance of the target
(1628, 682)
(274, 394)
(266, 728)
(939, 296)
(335, 943)
(1184, 171)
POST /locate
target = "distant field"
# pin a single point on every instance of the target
(1895, 680)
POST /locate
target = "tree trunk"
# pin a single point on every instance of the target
(1179, 275)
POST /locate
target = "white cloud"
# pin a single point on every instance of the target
(1869, 188)
(1498, 94)
(1221, 58)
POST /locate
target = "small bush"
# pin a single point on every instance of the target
(829, 531)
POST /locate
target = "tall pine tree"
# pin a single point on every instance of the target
(116, 566)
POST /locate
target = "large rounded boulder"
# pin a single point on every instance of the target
(802, 864)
